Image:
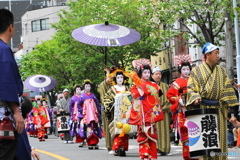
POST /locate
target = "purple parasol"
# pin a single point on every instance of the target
(40, 83)
(106, 35)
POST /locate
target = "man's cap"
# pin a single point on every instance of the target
(155, 69)
(209, 47)
(66, 90)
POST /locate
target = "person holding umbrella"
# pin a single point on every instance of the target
(10, 84)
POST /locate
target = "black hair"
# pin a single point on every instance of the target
(125, 79)
(144, 67)
(184, 63)
(26, 106)
(77, 86)
(6, 19)
(86, 82)
(39, 100)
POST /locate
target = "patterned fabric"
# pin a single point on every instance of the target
(163, 132)
(147, 142)
(178, 91)
(93, 129)
(209, 47)
(141, 62)
(181, 58)
(148, 108)
(75, 114)
(207, 83)
(90, 111)
(120, 142)
(117, 102)
(103, 88)
(155, 69)
(145, 113)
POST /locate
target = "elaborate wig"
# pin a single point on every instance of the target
(75, 87)
(146, 66)
(125, 78)
(184, 63)
(86, 81)
(182, 60)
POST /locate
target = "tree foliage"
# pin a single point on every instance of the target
(207, 15)
(70, 62)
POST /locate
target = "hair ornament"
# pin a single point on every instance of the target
(113, 74)
(139, 63)
(87, 81)
(181, 58)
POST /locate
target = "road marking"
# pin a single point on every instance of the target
(52, 155)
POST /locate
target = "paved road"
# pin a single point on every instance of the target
(55, 149)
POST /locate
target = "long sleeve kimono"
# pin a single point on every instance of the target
(118, 103)
(103, 88)
(213, 84)
(39, 120)
(178, 91)
(91, 117)
(145, 113)
(75, 115)
(163, 126)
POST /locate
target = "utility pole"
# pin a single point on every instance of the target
(229, 46)
(237, 45)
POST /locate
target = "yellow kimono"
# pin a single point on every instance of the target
(163, 130)
(213, 84)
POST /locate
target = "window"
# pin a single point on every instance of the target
(38, 25)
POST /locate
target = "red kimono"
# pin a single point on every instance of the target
(39, 120)
(178, 90)
(146, 111)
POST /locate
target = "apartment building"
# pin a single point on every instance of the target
(36, 23)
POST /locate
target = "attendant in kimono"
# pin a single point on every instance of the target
(207, 83)
(177, 97)
(91, 129)
(103, 88)
(47, 125)
(63, 106)
(40, 119)
(146, 110)
(75, 114)
(117, 104)
(163, 127)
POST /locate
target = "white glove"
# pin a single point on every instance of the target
(181, 102)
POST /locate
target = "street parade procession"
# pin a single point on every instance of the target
(99, 86)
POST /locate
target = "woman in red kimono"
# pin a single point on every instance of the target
(146, 110)
(40, 119)
(177, 97)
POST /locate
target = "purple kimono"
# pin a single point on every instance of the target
(93, 127)
(75, 114)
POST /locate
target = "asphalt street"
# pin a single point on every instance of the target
(55, 149)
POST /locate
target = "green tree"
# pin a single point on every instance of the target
(70, 62)
(208, 17)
